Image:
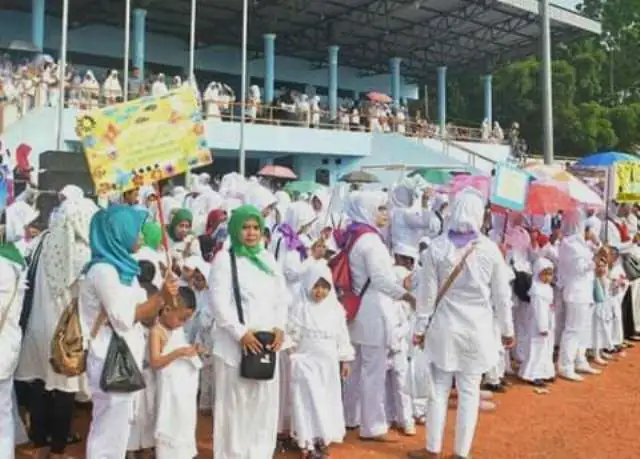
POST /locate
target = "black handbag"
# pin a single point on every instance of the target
(262, 366)
(120, 373)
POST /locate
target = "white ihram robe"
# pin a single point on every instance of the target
(177, 396)
(320, 342)
(252, 430)
(460, 341)
(539, 361)
(12, 287)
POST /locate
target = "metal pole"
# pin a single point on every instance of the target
(426, 102)
(192, 41)
(127, 45)
(547, 91)
(243, 82)
(62, 71)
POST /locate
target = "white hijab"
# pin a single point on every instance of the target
(299, 214)
(467, 212)
(72, 193)
(363, 206)
(538, 288)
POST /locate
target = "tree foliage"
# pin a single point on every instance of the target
(596, 87)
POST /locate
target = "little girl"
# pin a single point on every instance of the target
(618, 285)
(142, 435)
(318, 359)
(177, 367)
(537, 368)
(603, 312)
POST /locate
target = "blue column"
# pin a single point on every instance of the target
(37, 23)
(487, 81)
(442, 96)
(269, 66)
(138, 39)
(333, 81)
(394, 71)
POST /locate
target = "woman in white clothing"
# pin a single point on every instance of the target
(370, 265)
(576, 274)
(110, 288)
(458, 332)
(63, 254)
(246, 410)
(11, 293)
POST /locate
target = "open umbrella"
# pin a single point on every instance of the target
(576, 188)
(303, 186)
(605, 159)
(433, 176)
(544, 198)
(374, 96)
(359, 177)
(279, 172)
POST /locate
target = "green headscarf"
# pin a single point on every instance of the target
(152, 235)
(10, 252)
(238, 218)
(180, 215)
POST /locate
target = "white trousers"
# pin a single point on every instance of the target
(398, 400)
(245, 424)
(351, 393)
(571, 343)
(374, 364)
(7, 424)
(111, 418)
(468, 388)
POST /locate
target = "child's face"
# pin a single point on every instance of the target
(199, 282)
(173, 318)
(320, 291)
(546, 276)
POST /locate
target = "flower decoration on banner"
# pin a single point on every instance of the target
(150, 138)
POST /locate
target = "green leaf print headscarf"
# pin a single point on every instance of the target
(238, 218)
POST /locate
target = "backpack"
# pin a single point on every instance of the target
(68, 353)
(522, 285)
(341, 273)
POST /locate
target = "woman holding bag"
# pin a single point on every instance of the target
(250, 304)
(111, 289)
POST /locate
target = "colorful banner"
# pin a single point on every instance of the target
(626, 181)
(509, 187)
(142, 141)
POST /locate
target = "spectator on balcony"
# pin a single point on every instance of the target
(355, 119)
(343, 118)
(401, 119)
(111, 88)
(27, 82)
(227, 101)
(211, 101)
(485, 130)
(89, 91)
(159, 87)
(498, 133)
(303, 108)
(315, 111)
(176, 83)
(136, 84)
(254, 102)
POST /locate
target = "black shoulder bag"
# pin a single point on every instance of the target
(261, 366)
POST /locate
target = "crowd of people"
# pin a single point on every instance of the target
(35, 83)
(290, 320)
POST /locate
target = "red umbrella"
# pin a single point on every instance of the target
(374, 96)
(545, 198)
(280, 172)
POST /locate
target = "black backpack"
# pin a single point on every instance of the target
(522, 284)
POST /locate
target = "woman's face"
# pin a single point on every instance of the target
(316, 204)
(320, 291)
(382, 218)
(152, 199)
(251, 233)
(199, 282)
(182, 229)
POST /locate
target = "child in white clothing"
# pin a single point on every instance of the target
(603, 311)
(538, 368)
(143, 425)
(319, 358)
(177, 367)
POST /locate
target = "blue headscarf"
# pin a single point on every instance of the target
(112, 236)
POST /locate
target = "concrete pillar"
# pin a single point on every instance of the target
(269, 66)
(333, 81)
(139, 39)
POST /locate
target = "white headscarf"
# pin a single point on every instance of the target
(311, 275)
(402, 194)
(467, 212)
(260, 197)
(538, 288)
(573, 223)
(363, 206)
(299, 214)
(72, 193)
(439, 201)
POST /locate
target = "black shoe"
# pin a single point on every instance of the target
(495, 388)
(538, 383)
(550, 380)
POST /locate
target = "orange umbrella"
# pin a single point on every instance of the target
(374, 96)
(280, 172)
(545, 198)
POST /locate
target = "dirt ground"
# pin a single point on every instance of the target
(596, 419)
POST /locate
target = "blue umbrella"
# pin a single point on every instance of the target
(605, 159)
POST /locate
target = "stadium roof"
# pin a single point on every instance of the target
(465, 35)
